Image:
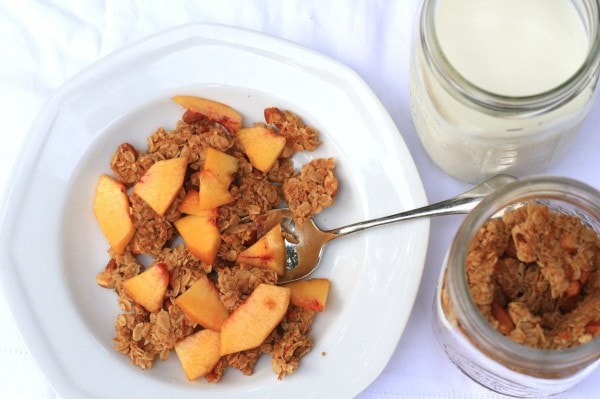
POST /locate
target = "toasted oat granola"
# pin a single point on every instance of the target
(535, 275)
(146, 336)
(312, 189)
(299, 137)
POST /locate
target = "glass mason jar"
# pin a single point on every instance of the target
(502, 86)
(465, 335)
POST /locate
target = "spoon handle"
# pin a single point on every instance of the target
(462, 203)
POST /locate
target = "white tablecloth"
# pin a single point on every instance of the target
(44, 43)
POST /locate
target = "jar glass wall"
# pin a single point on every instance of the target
(488, 91)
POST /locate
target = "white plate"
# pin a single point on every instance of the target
(51, 247)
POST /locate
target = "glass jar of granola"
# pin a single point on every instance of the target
(518, 302)
(502, 86)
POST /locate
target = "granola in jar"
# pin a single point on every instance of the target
(534, 276)
(518, 300)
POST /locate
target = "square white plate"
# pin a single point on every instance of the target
(51, 247)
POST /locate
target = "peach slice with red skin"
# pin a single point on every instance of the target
(161, 183)
(199, 353)
(268, 251)
(309, 294)
(222, 165)
(201, 304)
(251, 323)
(262, 145)
(213, 110)
(149, 287)
(111, 208)
(201, 236)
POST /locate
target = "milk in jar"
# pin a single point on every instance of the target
(502, 86)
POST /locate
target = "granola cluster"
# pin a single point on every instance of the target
(534, 275)
(146, 336)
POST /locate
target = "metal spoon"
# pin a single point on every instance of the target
(304, 243)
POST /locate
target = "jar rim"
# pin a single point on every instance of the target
(468, 92)
(507, 351)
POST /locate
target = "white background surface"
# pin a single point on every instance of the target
(43, 44)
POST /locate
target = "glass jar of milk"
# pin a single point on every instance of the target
(502, 86)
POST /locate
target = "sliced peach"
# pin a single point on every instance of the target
(201, 236)
(191, 205)
(262, 145)
(252, 322)
(111, 208)
(268, 251)
(213, 110)
(212, 191)
(149, 287)
(201, 304)
(199, 353)
(309, 294)
(222, 165)
(161, 183)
